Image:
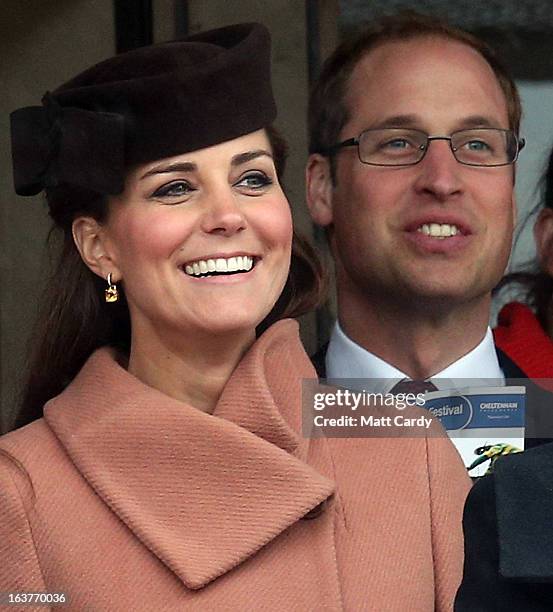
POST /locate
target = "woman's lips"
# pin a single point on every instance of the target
(219, 265)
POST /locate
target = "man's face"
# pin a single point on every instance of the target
(378, 213)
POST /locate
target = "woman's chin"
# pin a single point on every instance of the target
(227, 324)
(232, 317)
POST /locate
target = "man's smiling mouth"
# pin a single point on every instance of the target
(219, 266)
(439, 230)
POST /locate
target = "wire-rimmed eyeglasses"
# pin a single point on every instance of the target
(405, 146)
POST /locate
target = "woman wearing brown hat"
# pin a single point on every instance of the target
(167, 470)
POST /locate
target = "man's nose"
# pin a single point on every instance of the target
(223, 214)
(439, 171)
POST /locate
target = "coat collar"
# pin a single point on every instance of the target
(203, 492)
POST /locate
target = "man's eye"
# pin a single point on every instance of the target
(254, 180)
(174, 189)
(397, 144)
(478, 145)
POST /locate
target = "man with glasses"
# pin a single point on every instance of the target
(413, 138)
(414, 132)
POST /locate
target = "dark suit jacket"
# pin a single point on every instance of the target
(508, 525)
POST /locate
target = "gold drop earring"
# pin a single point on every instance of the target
(111, 293)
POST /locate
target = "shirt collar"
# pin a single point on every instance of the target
(346, 359)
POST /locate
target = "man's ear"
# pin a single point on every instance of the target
(93, 247)
(319, 189)
(543, 234)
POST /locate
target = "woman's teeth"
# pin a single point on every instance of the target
(439, 230)
(241, 263)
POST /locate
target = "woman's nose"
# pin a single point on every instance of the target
(223, 214)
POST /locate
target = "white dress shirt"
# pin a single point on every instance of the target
(346, 359)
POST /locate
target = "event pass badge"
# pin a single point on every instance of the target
(483, 423)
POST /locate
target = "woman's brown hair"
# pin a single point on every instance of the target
(74, 320)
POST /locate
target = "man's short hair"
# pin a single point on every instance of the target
(328, 112)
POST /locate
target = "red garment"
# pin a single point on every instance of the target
(521, 337)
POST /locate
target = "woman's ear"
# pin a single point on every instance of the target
(543, 234)
(93, 246)
(318, 182)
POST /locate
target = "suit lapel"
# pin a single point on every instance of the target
(319, 361)
(508, 366)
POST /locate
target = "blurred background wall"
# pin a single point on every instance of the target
(42, 43)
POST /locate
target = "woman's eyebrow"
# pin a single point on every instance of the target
(166, 168)
(237, 160)
(243, 158)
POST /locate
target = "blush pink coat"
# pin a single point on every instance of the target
(126, 499)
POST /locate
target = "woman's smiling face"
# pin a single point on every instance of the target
(202, 241)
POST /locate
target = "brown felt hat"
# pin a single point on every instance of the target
(144, 105)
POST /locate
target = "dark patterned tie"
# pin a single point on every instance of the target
(413, 386)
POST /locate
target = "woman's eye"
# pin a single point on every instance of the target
(175, 189)
(254, 180)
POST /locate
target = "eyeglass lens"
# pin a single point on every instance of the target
(398, 146)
